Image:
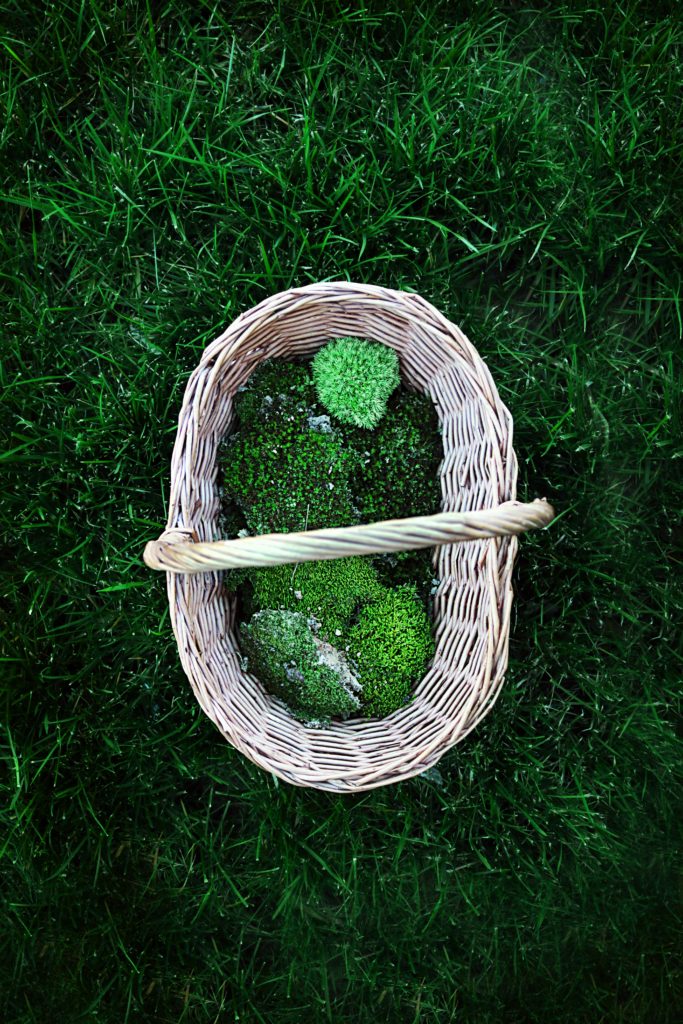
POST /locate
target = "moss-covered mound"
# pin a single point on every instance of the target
(329, 590)
(390, 647)
(396, 466)
(309, 674)
(285, 476)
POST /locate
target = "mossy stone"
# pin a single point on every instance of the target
(310, 675)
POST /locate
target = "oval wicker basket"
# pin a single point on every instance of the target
(473, 600)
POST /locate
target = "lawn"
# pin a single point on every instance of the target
(166, 166)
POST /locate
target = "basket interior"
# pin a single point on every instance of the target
(472, 603)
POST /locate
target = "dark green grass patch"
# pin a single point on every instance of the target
(165, 167)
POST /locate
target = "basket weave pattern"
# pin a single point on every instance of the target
(473, 600)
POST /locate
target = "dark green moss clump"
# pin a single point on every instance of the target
(311, 676)
(390, 647)
(276, 390)
(396, 468)
(285, 477)
(232, 519)
(329, 590)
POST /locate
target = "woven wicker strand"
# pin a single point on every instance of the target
(473, 600)
(315, 545)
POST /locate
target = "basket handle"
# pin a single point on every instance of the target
(178, 551)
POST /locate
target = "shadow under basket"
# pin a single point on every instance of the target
(473, 539)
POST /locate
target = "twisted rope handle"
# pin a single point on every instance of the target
(176, 552)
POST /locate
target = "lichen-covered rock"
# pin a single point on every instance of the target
(310, 675)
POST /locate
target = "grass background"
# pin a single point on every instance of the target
(167, 165)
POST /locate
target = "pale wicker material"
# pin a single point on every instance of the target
(474, 596)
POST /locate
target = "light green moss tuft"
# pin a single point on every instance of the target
(354, 379)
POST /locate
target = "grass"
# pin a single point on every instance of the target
(165, 166)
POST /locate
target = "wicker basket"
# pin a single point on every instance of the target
(473, 601)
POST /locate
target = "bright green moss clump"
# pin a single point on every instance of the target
(397, 464)
(390, 647)
(311, 676)
(287, 477)
(329, 590)
(354, 379)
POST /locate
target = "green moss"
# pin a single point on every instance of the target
(276, 390)
(285, 476)
(354, 379)
(311, 676)
(390, 646)
(396, 466)
(329, 590)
